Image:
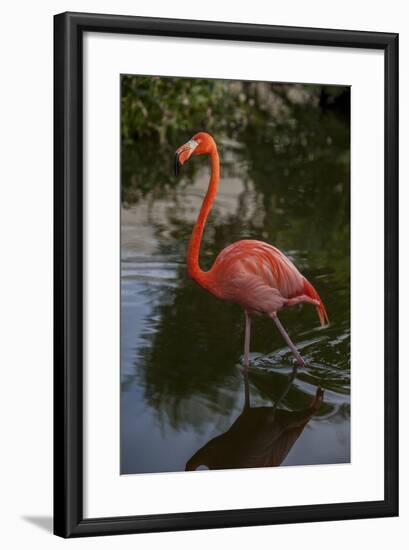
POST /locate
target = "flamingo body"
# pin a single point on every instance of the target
(260, 278)
(251, 273)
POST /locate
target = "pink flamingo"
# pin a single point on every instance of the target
(253, 274)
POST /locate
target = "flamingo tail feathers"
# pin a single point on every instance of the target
(312, 293)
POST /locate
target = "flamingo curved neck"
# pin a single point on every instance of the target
(193, 251)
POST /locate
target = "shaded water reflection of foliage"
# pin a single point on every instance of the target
(289, 144)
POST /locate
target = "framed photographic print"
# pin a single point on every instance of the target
(226, 299)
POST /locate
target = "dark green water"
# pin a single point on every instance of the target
(181, 348)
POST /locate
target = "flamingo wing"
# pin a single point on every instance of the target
(261, 279)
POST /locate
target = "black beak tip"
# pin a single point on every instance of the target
(177, 165)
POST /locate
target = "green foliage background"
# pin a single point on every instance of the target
(281, 122)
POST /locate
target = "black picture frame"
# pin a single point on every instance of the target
(68, 274)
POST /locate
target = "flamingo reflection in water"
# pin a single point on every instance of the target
(260, 436)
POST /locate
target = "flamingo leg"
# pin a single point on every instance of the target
(286, 337)
(246, 390)
(247, 330)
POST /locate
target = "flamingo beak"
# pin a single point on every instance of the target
(184, 153)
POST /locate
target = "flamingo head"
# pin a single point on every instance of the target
(200, 144)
